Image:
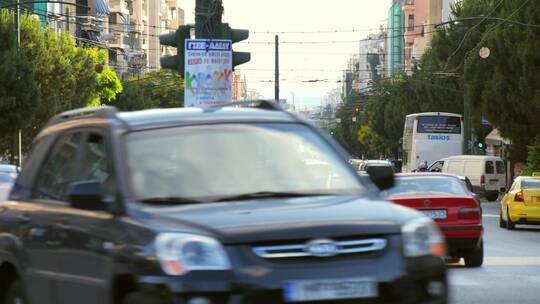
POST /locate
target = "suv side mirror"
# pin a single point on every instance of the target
(381, 176)
(86, 195)
(502, 190)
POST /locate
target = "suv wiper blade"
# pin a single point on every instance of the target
(266, 194)
(171, 201)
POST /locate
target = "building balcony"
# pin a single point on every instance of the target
(119, 6)
(119, 42)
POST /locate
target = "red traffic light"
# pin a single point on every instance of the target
(357, 109)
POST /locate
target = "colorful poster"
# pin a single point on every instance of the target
(208, 72)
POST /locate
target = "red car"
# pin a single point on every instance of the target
(446, 199)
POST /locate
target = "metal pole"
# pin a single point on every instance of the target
(277, 71)
(19, 135)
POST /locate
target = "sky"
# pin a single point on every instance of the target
(299, 62)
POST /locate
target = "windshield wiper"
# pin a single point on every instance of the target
(171, 201)
(267, 194)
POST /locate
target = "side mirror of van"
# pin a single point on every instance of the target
(502, 190)
(381, 176)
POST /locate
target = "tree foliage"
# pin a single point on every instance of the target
(49, 74)
(159, 89)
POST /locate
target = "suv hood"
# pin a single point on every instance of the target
(280, 219)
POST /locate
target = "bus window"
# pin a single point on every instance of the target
(439, 124)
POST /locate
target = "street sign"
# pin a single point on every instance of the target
(354, 119)
(208, 70)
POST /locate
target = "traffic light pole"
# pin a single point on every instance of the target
(276, 97)
(208, 15)
(18, 136)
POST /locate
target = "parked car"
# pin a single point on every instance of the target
(128, 208)
(487, 173)
(6, 182)
(366, 164)
(445, 199)
(521, 204)
(10, 169)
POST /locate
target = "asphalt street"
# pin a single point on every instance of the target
(511, 270)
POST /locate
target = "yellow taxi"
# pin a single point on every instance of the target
(521, 204)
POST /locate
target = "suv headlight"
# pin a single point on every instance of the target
(180, 253)
(422, 237)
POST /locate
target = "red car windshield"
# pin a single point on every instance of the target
(427, 185)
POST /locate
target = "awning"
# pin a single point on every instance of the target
(494, 138)
(102, 8)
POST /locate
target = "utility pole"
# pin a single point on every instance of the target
(208, 15)
(277, 71)
(18, 136)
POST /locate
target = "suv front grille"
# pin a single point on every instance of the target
(303, 250)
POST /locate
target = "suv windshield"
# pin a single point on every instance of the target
(227, 160)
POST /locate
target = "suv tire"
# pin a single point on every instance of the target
(509, 224)
(15, 293)
(502, 223)
(475, 258)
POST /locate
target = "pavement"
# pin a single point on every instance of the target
(511, 270)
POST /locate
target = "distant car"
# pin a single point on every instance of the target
(445, 199)
(6, 182)
(10, 169)
(366, 164)
(521, 204)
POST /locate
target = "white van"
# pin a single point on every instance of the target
(486, 173)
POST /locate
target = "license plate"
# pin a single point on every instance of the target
(436, 214)
(331, 289)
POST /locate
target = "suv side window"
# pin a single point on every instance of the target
(57, 173)
(490, 168)
(96, 165)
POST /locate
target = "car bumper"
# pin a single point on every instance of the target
(462, 237)
(521, 214)
(399, 280)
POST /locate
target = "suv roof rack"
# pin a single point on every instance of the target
(95, 112)
(258, 104)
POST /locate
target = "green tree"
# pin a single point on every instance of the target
(158, 89)
(19, 90)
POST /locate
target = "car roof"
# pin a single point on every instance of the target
(472, 157)
(180, 116)
(430, 174)
(250, 111)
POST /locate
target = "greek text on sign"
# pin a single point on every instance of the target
(208, 72)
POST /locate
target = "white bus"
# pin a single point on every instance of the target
(428, 137)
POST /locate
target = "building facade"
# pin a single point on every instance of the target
(371, 60)
(395, 44)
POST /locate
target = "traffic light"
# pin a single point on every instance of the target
(480, 145)
(357, 109)
(177, 40)
(235, 35)
(332, 132)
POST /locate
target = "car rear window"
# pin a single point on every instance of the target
(530, 183)
(490, 168)
(500, 167)
(427, 185)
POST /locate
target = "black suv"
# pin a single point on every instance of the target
(207, 206)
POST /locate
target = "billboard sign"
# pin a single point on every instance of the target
(208, 71)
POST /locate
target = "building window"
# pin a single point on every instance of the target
(411, 23)
(173, 13)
